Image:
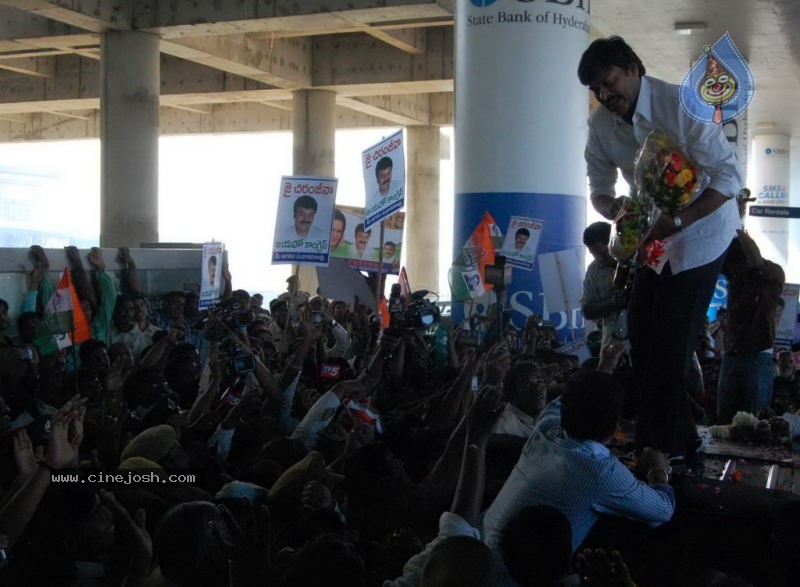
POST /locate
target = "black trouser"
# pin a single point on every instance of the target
(665, 321)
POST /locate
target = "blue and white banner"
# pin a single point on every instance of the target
(303, 225)
(211, 274)
(384, 178)
(562, 215)
(522, 241)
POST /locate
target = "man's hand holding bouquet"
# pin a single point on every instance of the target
(665, 183)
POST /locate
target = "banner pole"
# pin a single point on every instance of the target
(379, 286)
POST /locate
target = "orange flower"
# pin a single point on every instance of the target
(677, 162)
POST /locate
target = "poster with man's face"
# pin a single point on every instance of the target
(384, 167)
(211, 274)
(303, 225)
(360, 246)
(521, 242)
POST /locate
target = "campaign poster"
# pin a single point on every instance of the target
(784, 332)
(522, 241)
(360, 245)
(384, 178)
(303, 225)
(211, 274)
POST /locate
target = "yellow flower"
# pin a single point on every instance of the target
(684, 199)
(683, 177)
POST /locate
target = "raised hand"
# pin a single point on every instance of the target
(484, 412)
(95, 258)
(124, 257)
(66, 434)
(73, 257)
(610, 355)
(316, 497)
(248, 546)
(133, 532)
(498, 362)
(39, 257)
(596, 568)
(25, 456)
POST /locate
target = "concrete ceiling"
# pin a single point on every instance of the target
(231, 65)
(765, 31)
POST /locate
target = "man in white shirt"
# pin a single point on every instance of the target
(668, 306)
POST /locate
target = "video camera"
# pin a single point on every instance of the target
(416, 313)
(231, 313)
(240, 360)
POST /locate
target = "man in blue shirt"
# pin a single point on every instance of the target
(669, 302)
(566, 465)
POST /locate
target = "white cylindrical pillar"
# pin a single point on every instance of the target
(770, 185)
(520, 129)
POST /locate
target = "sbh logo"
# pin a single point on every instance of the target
(482, 3)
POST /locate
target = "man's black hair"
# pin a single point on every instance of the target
(591, 406)
(88, 347)
(605, 53)
(212, 259)
(304, 202)
(390, 243)
(4, 304)
(524, 231)
(384, 163)
(188, 551)
(536, 546)
(338, 561)
(360, 228)
(339, 215)
(597, 232)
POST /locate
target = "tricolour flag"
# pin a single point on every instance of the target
(365, 414)
(64, 323)
(467, 275)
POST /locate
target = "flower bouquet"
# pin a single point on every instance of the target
(665, 174)
(665, 179)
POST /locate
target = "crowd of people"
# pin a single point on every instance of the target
(302, 444)
(306, 442)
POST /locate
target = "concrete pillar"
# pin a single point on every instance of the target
(520, 130)
(421, 240)
(129, 90)
(314, 138)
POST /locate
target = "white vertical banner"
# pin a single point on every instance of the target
(770, 185)
(562, 279)
(384, 166)
(211, 274)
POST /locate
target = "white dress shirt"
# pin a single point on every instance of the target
(613, 144)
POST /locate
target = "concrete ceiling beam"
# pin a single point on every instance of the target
(96, 16)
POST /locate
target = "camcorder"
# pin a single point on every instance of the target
(240, 361)
(156, 413)
(416, 313)
(229, 312)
